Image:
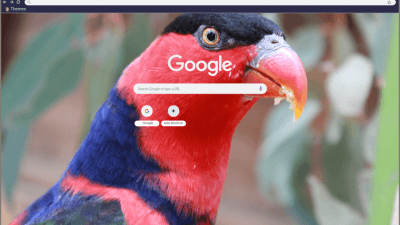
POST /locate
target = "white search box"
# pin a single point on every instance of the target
(200, 88)
(211, 2)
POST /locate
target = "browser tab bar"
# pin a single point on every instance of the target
(212, 2)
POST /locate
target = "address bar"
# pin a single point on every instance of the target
(211, 2)
(200, 88)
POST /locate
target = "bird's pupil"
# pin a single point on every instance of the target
(211, 36)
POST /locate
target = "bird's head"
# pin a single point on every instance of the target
(221, 48)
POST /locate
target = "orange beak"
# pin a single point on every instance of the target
(280, 69)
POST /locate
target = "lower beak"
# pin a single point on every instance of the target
(281, 70)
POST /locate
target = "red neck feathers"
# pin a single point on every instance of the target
(196, 155)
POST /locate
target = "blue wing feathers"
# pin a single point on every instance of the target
(109, 156)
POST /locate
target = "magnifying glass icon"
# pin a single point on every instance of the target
(28, 2)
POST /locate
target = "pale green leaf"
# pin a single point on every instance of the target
(283, 150)
(309, 43)
(46, 70)
(106, 61)
(377, 30)
(328, 209)
(370, 139)
(342, 164)
(364, 186)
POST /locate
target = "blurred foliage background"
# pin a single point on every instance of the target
(337, 165)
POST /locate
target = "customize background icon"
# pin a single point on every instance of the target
(147, 111)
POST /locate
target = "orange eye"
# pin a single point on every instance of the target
(210, 36)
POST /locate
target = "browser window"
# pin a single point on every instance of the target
(189, 113)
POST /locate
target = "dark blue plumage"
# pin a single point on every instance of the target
(108, 156)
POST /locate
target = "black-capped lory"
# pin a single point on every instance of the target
(147, 175)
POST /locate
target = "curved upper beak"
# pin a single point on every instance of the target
(280, 69)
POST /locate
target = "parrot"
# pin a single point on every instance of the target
(147, 175)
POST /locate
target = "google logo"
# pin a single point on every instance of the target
(213, 66)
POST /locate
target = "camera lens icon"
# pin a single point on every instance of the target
(147, 111)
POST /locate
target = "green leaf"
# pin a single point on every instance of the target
(300, 41)
(282, 165)
(364, 186)
(328, 209)
(386, 168)
(137, 39)
(12, 152)
(369, 24)
(46, 70)
(370, 138)
(343, 162)
(377, 30)
(101, 69)
(106, 62)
